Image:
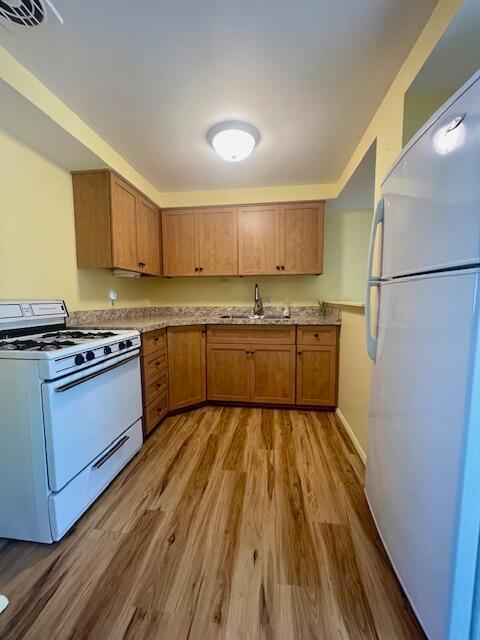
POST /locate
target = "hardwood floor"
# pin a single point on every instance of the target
(230, 523)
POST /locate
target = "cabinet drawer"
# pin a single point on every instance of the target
(251, 334)
(153, 341)
(154, 363)
(321, 336)
(155, 411)
(155, 387)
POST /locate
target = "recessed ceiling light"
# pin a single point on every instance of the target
(233, 140)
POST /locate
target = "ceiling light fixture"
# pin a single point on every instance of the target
(233, 140)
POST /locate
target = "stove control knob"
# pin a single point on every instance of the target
(107, 350)
(128, 343)
(121, 345)
(90, 355)
(79, 359)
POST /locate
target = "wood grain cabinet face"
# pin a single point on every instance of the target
(124, 225)
(259, 240)
(228, 372)
(186, 366)
(179, 244)
(148, 238)
(217, 242)
(115, 225)
(200, 242)
(301, 230)
(317, 375)
(273, 374)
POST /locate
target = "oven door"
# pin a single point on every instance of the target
(85, 412)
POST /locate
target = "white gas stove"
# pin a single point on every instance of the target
(70, 416)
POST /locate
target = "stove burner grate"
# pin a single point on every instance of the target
(80, 335)
(35, 345)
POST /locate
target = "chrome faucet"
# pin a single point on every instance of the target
(258, 306)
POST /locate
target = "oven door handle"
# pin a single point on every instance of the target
(75, 383)
(118, 445)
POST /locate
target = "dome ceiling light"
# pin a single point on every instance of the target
(233, 140)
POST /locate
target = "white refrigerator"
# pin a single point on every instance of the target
(423, 463)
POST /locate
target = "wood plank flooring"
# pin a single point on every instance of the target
(231, 523)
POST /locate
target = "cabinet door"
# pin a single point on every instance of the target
(124, 225)
(317, 375)
(178, 241)
(148, 238)
(186, 366)
(217, 242)
(301, 241)
(228, 372)
(258, 240)
(272, 374)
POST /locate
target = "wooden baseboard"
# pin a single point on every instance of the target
(352, 436)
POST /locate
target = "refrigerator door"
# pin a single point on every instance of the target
(432, 195)
(417, 429)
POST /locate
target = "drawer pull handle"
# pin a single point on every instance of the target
(157, 363)
(300, 353)
(110, 453)
(316, 335)
(159, 409)
(155, 340)
(158, 385)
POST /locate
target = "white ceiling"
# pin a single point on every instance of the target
(152, 76)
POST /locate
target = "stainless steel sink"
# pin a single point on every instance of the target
(247, 316)
(238, 316)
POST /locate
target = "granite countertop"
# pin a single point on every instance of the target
(152, 318)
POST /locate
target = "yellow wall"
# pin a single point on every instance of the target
(37, 236)
(233, 291)
(386, 127)
(346, 247)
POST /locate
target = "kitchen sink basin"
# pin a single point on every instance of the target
(246, 316)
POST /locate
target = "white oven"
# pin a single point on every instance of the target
(70, 416)
(85, 412)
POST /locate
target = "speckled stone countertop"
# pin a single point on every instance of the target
(150, 318)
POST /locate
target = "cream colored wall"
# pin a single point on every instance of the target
(37, 236)
(355, 376)
(346, 246)
(235, 290)
(386, 127)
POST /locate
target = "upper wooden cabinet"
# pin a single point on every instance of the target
(301, 238)
(281, 239)
(259, 240)
(200, 242)
(178, 239)
(116, 226)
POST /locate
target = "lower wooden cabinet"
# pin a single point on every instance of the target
(181, 367)
(228, 372)
(317, 375)
(251, 373)
(272, 378)
(186, 366)
(154, 368)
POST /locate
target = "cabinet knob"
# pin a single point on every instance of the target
(197, 269)
(300, 353)
(316, 335)
(141, 264)
(278, 267)
(200, 268)
(282, 267)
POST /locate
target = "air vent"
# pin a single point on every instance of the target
(26, 13)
